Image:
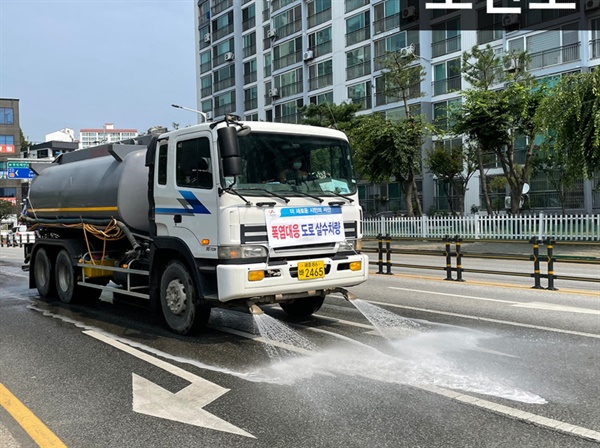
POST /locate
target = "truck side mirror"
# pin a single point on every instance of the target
(230, 151)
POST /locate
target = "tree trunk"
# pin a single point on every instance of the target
(408, 187)
(483, 182)
(417, 200)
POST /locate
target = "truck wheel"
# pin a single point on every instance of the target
(65, 277)
(184, 312)
(303, 307)
(43, 274)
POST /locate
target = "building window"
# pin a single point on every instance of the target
(446, 37)
(289, 83)
(358, 62)
(221, 50)
(205, 63)
(394, 43)
(249, 17)
(6, 115)
(351, 5)
(361, 94)
(223, 26)
(250, 98)
(249, 45)
(319, 11)
(204, 40)
(489, 26)
(206, 86)
(320, 42)
(322, 98)
(267, 66)
(446, 77)
(320, 75)
(289, 112)
(595, 42)
(287, 53)
(250, 71)
(358, 28)
(549, 47)
(206, 105)
(441, 113)
(225, 103)
(288, 22)
(224, 78)
(387, 16)
(7, 144)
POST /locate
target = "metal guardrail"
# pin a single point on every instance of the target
(14, 240)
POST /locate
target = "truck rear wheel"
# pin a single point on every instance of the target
(65, 275)
(184, 311)
(43, 274)
(303, 307)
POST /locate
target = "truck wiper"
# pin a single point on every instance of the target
(268, 192)
(340, 195)
(231, 190)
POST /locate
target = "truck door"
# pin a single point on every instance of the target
(186, 198)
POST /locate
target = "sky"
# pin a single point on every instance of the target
(82, 63)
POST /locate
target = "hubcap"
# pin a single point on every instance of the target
(176, 297)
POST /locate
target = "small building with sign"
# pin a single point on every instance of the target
(10, 145)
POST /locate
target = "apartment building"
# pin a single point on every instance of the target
(262, 60)
(107, 134)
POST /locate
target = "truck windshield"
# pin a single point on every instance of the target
(288, 163)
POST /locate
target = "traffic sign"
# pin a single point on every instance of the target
(17, 164)
(20, 173)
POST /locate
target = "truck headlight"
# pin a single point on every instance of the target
(235, 252)
(350, 245)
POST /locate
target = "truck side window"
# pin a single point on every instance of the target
(194, 167)
(162, 165)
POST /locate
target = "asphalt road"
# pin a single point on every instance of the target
(427, 363)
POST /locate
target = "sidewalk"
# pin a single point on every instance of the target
(584, 250)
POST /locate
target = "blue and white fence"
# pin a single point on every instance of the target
(504, 227)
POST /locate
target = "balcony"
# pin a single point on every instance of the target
(221, 6)
(289, 59)
(249, 23)
(205, 67)
(322, 48)
(358, 70)
(289, 29)
(319, 18)
(249, 51)
(365, 102)
(447, 85)
(290, 89)
(278, 4)
(250, 77)
(223, 109)
(351, 5)
(359, 35)
(224, 83)
(387, 23)
(320, 81)
(555, 56)
(206, 91)
(294, 118)
(445, 46)
(382, 98)
(380, 58)
(251, 104)
(222, 32)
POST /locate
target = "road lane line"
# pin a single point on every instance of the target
(486, 319)
(28, 421)
(537, 420)
(452, 295)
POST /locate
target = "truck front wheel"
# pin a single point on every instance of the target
(43, 274)
(303, 307)
(184, 311)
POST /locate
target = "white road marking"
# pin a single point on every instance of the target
(556, 307)
(486, 319)
(453, 295)
(535, 305)
(184, 406)
(538, 420)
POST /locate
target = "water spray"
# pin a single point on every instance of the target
(347, 294)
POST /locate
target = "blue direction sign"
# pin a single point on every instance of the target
(20, 173)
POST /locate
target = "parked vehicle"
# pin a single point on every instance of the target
(197, 217)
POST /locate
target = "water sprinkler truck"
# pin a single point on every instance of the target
(199, 217)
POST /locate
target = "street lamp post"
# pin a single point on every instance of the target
(204, 117)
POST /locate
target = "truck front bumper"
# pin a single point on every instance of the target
(282, 279)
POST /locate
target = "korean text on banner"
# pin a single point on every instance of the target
(295, 226)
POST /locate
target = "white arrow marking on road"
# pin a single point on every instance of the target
(184, 406)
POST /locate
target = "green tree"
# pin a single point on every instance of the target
(455, 164)
(496, 119)
(337, 116)
(570, 120)
(24, 143)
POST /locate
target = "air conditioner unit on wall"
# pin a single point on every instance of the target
(510, 20)
(274, 92)
(308, 55)
(409, 12)
(209, 115)
(272, 32)
(511, 65)
(229, 56)
(207, 38)
(407, 51)
(590, 5)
